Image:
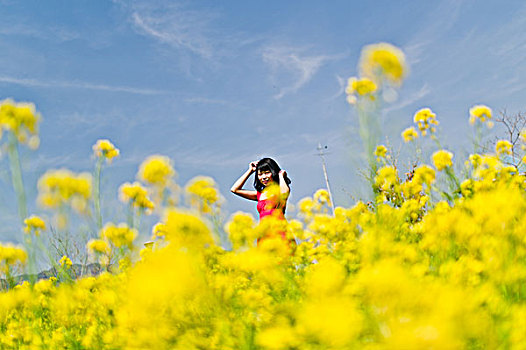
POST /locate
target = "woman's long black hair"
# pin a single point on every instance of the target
(268, 164)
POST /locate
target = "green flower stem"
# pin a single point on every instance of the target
(418, 150)
(129, 217)
(16, 176)
(454, 184)
(370, 133)
(10, 281)
(96, 192)
(31, 257)
(61, 271)
(218, 228)
(137, 219)
(478, 136)
(437, 141)
(452, 177)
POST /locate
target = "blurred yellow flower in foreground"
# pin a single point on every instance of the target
(240, 230)
(104, 148)
(158, 230)
(442, 159)
(156, 170)
(186, 230)
(34, 223)
(383, 61)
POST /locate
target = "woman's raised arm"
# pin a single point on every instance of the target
(237, 187)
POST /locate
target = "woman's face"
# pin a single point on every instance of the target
(265, 177)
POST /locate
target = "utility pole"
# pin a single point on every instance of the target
(322, 154)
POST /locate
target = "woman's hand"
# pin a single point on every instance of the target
(252, 166)
(283, 186)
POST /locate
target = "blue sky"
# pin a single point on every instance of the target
(215, 85)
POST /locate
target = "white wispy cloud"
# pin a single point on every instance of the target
(510, 40)
(54, 33)
(188, 27)
(174, 24)
(443, 17)
(412, 98)
(341, 89)
(484, 57)
(291, 68)
(78, 85)
(208, 101)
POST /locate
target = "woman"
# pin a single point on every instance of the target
(268, 176)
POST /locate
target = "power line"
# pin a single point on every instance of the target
(322, 153)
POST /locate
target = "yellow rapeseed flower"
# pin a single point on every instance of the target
(409, 134)
(480, 112)
(21, 119)
(486, 167)
(424, 174)
(158, 230)
(10, 256)
(60, 187)
(360, 87)
(322, 196)
(442, 159)
(333, 321)
(240, 230)
(65, 262)
(34, 223)
(186, 230)
(475, 159)
(425, 120)
(203, 193)
(383, 61)
(386, 177)
(306, 206)
(467, 187)
(98, 246)
(411, 189)
(503, 147)
(120, 236)
(137, 195)
(380, 152)
(104, 148)
(156, 170)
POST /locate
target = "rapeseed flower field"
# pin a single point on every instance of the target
(436, 261)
